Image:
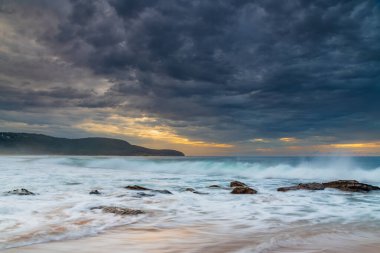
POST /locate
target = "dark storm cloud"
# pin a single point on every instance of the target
(233, 69)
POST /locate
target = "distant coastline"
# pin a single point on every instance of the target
(38, 144)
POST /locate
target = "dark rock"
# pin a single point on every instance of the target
(343, 185)
(340, 182)
(136, 188)
(214, 186)
(243, 190)
(288, 188)
(351, 186)
(95, 192)
(308, 186)
(21, 192)
(195, 192)
(237, 183)
(119, 210)
(163, 191)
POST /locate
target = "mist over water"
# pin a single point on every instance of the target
(62, 208)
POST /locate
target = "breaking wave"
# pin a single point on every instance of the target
(63, 208)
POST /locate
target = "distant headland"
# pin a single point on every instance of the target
(39, 144)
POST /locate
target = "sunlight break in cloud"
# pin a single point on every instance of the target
(259, 140)
(143, 127)
(288, 139)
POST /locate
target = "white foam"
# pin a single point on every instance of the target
(62, 208)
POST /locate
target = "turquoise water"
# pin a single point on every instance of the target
(62, 208)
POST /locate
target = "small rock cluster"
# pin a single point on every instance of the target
(241, 188)
(237, 188)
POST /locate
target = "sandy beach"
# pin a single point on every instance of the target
(197, 239)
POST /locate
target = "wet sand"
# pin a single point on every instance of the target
(198, 239)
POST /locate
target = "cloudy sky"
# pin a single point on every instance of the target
(207, 77)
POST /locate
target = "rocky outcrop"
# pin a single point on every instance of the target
(21, 191)
(343, 185)
(243, 190)
(351, 186)
(237, 183)
(95, 192)
(308, 186)
(119, 210)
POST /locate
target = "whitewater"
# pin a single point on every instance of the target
(63, 209)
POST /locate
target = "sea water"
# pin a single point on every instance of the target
(63, 208)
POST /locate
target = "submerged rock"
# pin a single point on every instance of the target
(237, 183)
(195, 191)
(243, 190)
(351, 186)
(95, 192)
(218, 187)
(141, 188)
(214, 186)
(136, 188)
(122, 211)
(21, 191)
(308, 186)
(163, 191)
(143, 194)
(73, 183)
(119, 210)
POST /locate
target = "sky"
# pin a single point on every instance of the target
(207, 77)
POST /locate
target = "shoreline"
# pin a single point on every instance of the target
(206, 238)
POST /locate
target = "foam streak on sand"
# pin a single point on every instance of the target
(217, 221)
(198, 239)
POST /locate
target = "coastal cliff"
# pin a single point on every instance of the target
(38, 144)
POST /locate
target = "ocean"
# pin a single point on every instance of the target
(63, 209)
